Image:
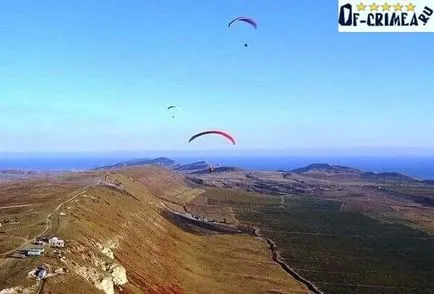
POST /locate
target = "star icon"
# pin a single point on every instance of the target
(398, 7)
(361, 7)
(410, 7)
(385, 7)
(373, 7)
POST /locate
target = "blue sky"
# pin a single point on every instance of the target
(98, 76)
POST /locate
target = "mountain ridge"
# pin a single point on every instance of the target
(323, 169)
(164, 161)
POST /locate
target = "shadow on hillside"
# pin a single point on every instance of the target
(198, 227)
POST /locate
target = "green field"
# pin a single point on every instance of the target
(341, 252)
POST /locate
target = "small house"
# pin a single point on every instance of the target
(56, 242)
(34, 250)
(33, 253)
(42, 273)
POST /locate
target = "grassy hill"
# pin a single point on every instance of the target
(117, 230)
(140, 229)
(340, 252)
(163, 161)
(327, 170)
(324, 167)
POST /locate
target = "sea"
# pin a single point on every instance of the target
(419, 167)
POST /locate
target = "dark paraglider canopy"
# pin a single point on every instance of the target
(216, 132)
(244, 19)
(172, 108)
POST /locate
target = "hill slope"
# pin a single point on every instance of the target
(163, 161)
(391, 176)
(328, 170)
(119, 235)
(324, 167)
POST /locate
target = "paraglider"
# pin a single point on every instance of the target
(216, 132)
(172, 108)
(244, 19)
(211, 168)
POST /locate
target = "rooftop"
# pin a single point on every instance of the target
(34, 247)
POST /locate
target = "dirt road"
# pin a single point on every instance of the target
(276, 258)
(15, 206)
(48, 223)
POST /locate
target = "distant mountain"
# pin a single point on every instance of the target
(313, 170)
(391, 176)
(17, 172)
(429, 182)
(164, 161)
(324, 167)
(201, 167)
(193, 166)
(221, 169)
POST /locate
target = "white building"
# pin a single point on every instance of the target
(34, 250)
(34, 253)
(56, 242)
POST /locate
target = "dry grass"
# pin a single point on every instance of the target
(24, 223)
(394, 201)
(8, 243)
(232, 264)
(219, 213)
(158, 255)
